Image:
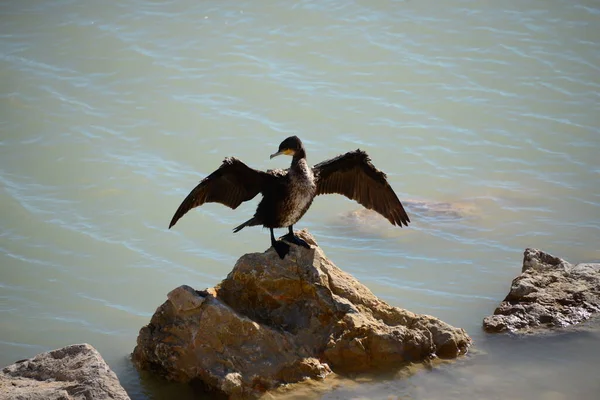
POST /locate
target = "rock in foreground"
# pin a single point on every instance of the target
(73, 372)
(549, 293)
(274, 321)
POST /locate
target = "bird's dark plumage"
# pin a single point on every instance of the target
(353, 176)
(233, 183)
(287, 194)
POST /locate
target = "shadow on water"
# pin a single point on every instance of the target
(153, 387)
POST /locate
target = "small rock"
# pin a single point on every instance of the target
(75, 372)
(549, 293)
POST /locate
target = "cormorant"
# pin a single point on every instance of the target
(287, 194)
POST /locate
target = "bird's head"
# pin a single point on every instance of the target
(290, 147)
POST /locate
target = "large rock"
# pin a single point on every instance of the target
(73, 372)
(274, 321)
(549, 293)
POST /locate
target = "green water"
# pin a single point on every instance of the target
(111, 113)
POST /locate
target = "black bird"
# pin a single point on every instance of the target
(287, 194)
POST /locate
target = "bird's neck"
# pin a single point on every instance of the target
(299, 155)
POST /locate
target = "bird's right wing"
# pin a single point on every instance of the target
(233, 183)
(354, 176)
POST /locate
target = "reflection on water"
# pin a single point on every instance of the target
(484, 117)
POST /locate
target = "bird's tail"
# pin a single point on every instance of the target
(251, 222)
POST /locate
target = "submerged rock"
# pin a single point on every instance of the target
(73, 372)
(438, 210)
(274, 321)
(549, 293)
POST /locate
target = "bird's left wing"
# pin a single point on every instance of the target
(233, 183)
(354, 176)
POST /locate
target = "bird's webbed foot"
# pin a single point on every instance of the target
(290, 237)
(281, 248)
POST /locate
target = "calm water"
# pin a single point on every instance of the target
(111, 113)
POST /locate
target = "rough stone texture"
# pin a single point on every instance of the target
(274, 321)
(73, 372)
(549, 293)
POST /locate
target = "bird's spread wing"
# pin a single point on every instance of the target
(230, 185)
(353, 175)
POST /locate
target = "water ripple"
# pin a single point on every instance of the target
(490, 105)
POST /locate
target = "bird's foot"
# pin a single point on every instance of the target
(281, 248)
(296, 240)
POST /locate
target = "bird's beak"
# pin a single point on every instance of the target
(287, 152)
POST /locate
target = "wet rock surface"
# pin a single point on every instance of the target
(549, 293)
(274, 321)
(75, 372)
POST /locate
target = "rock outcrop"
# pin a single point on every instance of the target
(274, 321)
(73, 372)
(549, 293)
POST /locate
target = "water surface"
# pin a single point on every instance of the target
(111, 113)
